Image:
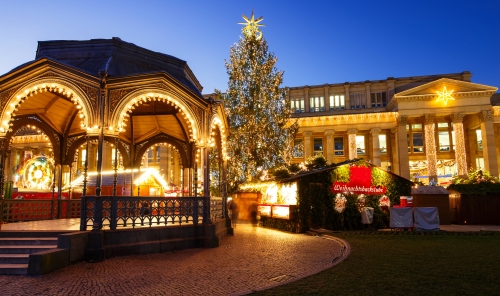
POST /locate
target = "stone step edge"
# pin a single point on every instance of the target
(5, 266)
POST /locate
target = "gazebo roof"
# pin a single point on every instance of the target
(120, 58)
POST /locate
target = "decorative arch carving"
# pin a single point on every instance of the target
(54, 137)
(85, 95)
(185, 150)
(165, 94)
(80, 140)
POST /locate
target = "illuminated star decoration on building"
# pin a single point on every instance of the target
(445, 95)
(252, 27)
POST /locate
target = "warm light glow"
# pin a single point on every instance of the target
(460, 154)
(252, 26)
(281, 212)
(430, 145)
(444, 95)
(353, 151)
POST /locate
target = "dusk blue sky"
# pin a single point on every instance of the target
(316, 42)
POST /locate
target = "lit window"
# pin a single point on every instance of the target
(316, 104)
(416, 127)
(318, 146)
(479, 163)
(339, 145)
(382, 143)
(418, 142)
(379, 99)
(337, 102)
(297, 105)
(442, 124)
(113, 157)
(298, 148)
(444, 141)
(150, 155)
(357, 101)
(84, 155)
(479, 137)
(360, 144)
(453, 143)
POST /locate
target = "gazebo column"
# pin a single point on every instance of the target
(376, 146)
(3, 146)
(488, 135)
(404, 160)
(329, 145)
(351, 142)
(460, 153)
(12, 162)
(430, 147)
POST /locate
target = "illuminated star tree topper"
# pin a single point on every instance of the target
(444, 95)
(251, 27)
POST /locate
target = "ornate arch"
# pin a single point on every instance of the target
(218, 123)
(80, 140)
(184, 149)
(128, 102)
(59, 85)
(54, 137)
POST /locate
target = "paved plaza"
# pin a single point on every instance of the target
(255, 258)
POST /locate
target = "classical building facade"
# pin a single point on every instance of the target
(81, 99)
(425, 128)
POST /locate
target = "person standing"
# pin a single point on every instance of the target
(253, 212)
(233, 207)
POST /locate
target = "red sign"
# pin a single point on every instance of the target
(360, 183)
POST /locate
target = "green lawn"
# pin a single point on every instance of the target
(408, 265)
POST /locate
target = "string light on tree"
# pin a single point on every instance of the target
(258, 108)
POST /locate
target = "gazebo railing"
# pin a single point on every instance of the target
(16, 210)
(125, 211)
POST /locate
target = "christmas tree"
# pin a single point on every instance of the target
(261, 134)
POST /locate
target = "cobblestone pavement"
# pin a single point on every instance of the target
(255, 258)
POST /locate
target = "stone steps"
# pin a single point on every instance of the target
(5, 241)
(13, 269)
(15, 252)
(24, 249)
(14, 258)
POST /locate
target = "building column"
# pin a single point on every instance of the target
(307, 144)
(390, 86)
(489, 149)
(376, 145)
(329, 146)
(430, 147)
(351, 142)
(472, 140)
(347, 98)
(306, 99)
(368, 99)
(404, 160)
(460, 153)
(327, 97)
(394, 151)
